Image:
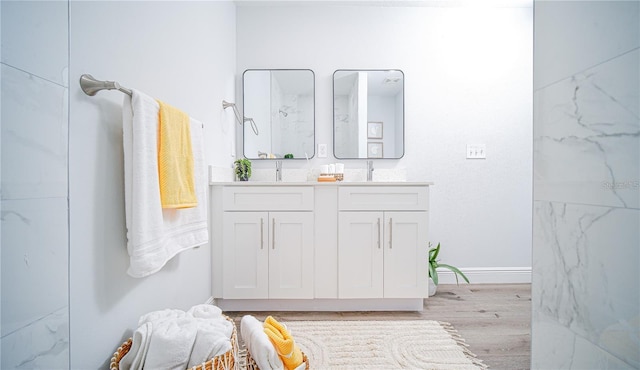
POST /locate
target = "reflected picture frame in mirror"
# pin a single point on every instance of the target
(281, 102)
(368, 114)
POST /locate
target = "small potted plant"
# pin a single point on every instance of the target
(433, 273)
(243, 169)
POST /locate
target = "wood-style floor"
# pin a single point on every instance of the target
(494, 320)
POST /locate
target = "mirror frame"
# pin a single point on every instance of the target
(333, 104)
(244, 128)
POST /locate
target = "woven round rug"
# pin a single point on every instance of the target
(400, 344)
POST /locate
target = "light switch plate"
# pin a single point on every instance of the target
(322, 150)
(476, 151)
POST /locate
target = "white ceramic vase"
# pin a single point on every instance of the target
(432, 287)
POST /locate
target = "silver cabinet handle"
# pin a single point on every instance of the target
(273, 233)
(390, 233)
(378, 233)
(261, 233)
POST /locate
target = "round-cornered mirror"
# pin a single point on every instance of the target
(281, 102)
(368, 114)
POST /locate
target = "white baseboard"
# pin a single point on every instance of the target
(488, 275)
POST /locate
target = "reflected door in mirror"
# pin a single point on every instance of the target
(368, 114)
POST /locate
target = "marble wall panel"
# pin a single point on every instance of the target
(36, 35)
(34, 136)
(578, 35)
(34, 207)
(587, 134)
(34, 261)
(555, 341)
(585, 275)
(43, 344)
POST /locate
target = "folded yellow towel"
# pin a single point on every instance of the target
(283, 342)
(175, 159)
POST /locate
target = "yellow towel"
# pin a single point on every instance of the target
(175, 159)
(283, 342)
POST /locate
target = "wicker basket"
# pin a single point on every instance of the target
(251, 363)
(225, 361)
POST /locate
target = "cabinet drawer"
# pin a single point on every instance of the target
(387, 198)
(268, 198)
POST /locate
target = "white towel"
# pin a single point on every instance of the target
(155, 235)
(135, 358)
(213, 339)
(258, 344)
(206, 311)
(161, 315)
(171, 344)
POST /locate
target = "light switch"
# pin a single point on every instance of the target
(476, 151)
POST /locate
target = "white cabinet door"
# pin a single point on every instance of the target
(268, 255)
(360, 255)
(405, 255)
(382, 255)
(291, 255)
(246, 255)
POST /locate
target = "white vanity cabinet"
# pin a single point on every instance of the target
(267, 239)
(382, 242)
(316, 246)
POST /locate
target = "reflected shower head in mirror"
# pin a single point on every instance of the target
(277, 100)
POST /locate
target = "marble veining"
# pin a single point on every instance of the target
(592, 121)
(585, 274)
(35, 240)
(44, 344)
(34, 260)
(586, 222)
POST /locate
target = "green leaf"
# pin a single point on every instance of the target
(433, 274)
(436, 252)
(455, 270)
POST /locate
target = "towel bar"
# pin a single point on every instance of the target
(91, 86)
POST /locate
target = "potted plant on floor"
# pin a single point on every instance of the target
(433, 272)
(243, 169)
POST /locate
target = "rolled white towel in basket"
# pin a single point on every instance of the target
(134, 359)
(206, 311)
(171, 344)
(161, 315)
(258, 344)
(213, 339)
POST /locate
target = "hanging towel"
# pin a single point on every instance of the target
(155, 235)
(175, 159)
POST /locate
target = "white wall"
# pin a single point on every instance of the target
(586, 229)
(184, 54)
(468, 79)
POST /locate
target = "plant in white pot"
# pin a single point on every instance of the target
(242, 169)
(433, 272)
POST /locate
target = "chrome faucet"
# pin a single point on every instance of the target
(278, 171)
(369, 170)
